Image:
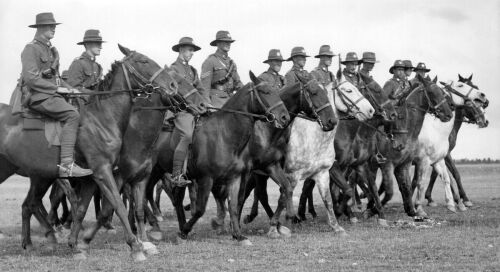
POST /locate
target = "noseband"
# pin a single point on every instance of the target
(254, 95)
(348, 102)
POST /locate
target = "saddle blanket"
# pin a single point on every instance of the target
(51, 128)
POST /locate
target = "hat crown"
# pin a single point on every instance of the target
(325, 50)
(275, 53)
(399, 63)
(222, 34)
(44, 18)
(369, 55)
(421, 65)
(298, 50)
(92, 33)
(351, 56)
(407, 63)
(186, 40)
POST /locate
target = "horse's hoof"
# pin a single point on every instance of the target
(62, 235)
(421, 213)
(156, 235)
(245, 242)
(432, 203)
(273, 233)
(341, 233)
(215, 225)
(80, 256)
(159, 218)
(149, 248)
(382, 223)
(138, 256)
(28, 248)
(353, 220)
(247, 219)
(284, 231)
(451, 208)
(461, 206)
(468, 203)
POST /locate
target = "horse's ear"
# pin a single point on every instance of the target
(124, 50)
(470, 78)
(460, 78)
(435, 80)
(254, 79)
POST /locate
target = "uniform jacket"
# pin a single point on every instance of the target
(322, 75)
(190, 74)
(354, 79)
(84, 73)
(37, 58)
(291, 76)
(395, 86)
(274, 79)
(216, 67)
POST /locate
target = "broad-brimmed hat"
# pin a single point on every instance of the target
(421, 67)
(351, 57)
(91, 36)
(43, 19)
(408, 64)
(325, 50)
(397, 64)
(369, 57)
(298, 51)
(185, 41)
(274, 54)
(222, 36)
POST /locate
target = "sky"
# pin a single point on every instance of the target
(451, 37)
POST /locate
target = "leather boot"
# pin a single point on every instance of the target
(71, 169)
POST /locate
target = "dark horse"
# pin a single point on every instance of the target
(221, 157)
(356, 143)
(474, 115)
(412, 106)
(100, 143)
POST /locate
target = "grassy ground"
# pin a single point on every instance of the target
(468, 241)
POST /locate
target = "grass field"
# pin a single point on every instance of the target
(468, 241)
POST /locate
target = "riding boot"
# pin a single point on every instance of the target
(178, 178)
(68, 168)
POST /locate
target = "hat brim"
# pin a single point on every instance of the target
(269, 60)
(46, 24)
(325, 55)
(301, 55)
(214, 42)
(420, 69)
(369, 61)
(392, 68)
(84, 42)
(176, 47)
(344, 62)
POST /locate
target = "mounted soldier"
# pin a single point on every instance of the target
(272, 76)
(219, 73)
(298, 57)
(421, 70)
(321, 73)
(40, 76)
(184, 121)
(398, 83)
(351, 63)
(368, 60)
(84, 73)
(408, 68)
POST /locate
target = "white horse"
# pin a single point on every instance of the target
(311, 153)
(433, 146)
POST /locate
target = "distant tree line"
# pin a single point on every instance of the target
(477, 161)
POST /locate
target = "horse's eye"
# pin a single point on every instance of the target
(143, 61)
(460, 85)
(348, 90)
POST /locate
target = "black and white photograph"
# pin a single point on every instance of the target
(278, 135)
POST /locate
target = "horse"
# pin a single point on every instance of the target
(473, 114)
(310, 152)
(99, 142)
(268, 142)
(355, 144)
(220, 156)
(412, 106)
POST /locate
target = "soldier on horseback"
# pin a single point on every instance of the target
(218, 72)
(184, 121)
(272, 76)
(40, 76)
(368, 62)
(351, 63)
(85, 73)
(421, 70)
(298, 57)
(408, 68)
(398, 83)
(321, 73)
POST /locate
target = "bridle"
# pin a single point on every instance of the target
(306, 96)
(449, 88)
(352, 106)
(432, 109)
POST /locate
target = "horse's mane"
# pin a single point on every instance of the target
(105, 84)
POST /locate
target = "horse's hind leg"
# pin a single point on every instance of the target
(442, 171)
(218, 222)
(249, 187)
(456, 175)
(235, 198)
(387, 182)
(202, 193)
(305, 199)
(428, 192)
(85, 192)
(56, 197)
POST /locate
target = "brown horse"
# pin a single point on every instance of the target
(100, 143)
(221, 157)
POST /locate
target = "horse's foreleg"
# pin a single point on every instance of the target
(387, 182)
(428, 192)
(402, 173)
(204, 187)
(323, 183)
(442, 172)
(456, 175)
(235, 196)
(218, 222)
(369, 176)
(56, 197)
(85, 192)
(40, 187)
(306, 198)
(249, 187)
(139, 189)
(278, 175)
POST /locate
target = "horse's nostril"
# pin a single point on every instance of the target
(482, 94)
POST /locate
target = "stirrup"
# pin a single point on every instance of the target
(179, 181)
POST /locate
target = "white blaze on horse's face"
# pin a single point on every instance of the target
(466, 90)
(348, 99)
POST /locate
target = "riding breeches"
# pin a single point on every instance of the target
(184, 126)
(58, 109)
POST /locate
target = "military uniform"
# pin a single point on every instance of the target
(294, 74)
(219, 73)
(395, 85)
(322, 75)
(368, 57)
(353, 78)
(84, 73)
(40, 78)
(274, 79)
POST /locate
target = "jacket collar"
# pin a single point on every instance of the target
(43, 41)
(87, 56)
(181, 61)
(221, 54)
